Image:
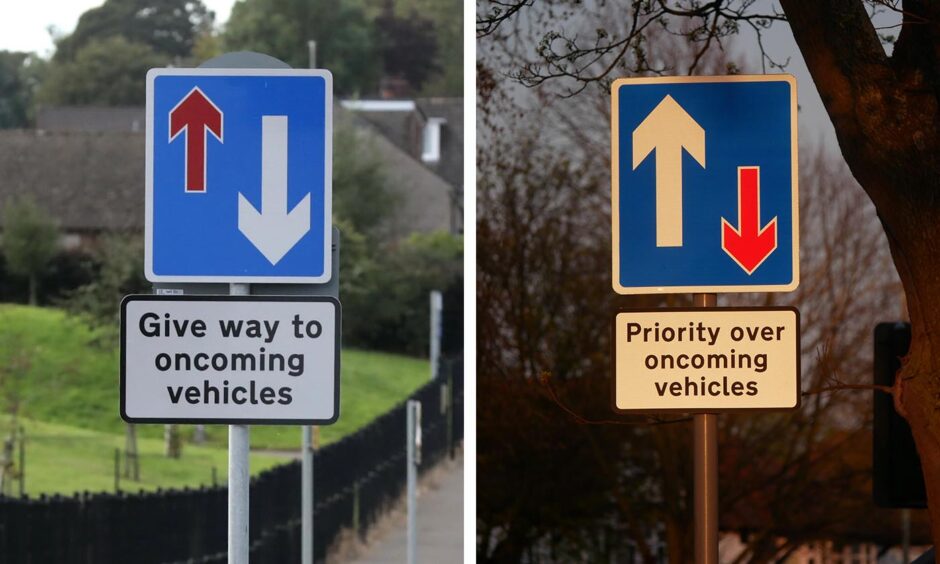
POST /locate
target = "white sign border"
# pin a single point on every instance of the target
(151, 276)
(222, 298)
(615, 184)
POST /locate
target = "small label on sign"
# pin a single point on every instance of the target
(701, 360)
(168, 292)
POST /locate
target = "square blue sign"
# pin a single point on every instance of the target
(704, 184)
(239, 175)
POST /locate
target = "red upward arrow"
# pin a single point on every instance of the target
(748, 245)
(196, 114)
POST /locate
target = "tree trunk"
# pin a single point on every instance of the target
(172, 442)
(885, 113)
(33, 289)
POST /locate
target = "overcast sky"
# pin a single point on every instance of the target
(25, 27)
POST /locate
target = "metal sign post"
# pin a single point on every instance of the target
(705, 431)
(413, 446)
(437, 307)
(239, 479)
(306, 497)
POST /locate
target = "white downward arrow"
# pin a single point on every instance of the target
(272, 230)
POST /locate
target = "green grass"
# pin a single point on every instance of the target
(65, 459)
(66, 383)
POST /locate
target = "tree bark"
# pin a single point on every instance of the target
(885, 113)
(33, 289)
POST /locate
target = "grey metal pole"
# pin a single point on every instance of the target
(437, 306)
(306, 497)
(705, 433)
(238, 477)
(312, 53)
(412, 482)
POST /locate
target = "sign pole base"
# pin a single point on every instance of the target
(705, 433)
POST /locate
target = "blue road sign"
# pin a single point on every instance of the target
(704, 191)
(239, 175)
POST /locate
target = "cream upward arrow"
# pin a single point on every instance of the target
(668, 129)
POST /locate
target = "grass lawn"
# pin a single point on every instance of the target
(66, 383)
(66, 459)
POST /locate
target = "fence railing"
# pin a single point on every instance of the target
(355, 481)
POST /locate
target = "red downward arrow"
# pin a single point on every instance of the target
(749, 246)
(196, 114)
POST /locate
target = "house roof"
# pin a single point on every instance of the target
(425, 198)
(90, 118)
(94, 180)
(87, 181)
(402, 122)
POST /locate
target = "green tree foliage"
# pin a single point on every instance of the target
(30, 240)
(169, 27)
(120, 272)
(19, 74)
(394, 296)
(409, 47)
(106, 72)
(419, 39)
(360, 192)
(281, 28)
(104, 60)
(384, 284)
(447, 18)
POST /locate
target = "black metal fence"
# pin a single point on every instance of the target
(355, 481)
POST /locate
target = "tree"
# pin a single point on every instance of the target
(30, 240)
(393, 296)
(105, 72)
(18, 82)
(447, 16)
(119, 273)
(409, 46)
(361, 194)
(886, 113)
(282, 28)
(169, 27)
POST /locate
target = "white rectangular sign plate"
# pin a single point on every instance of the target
(230, 359)
(706, 360)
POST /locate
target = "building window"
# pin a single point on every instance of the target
(431, 140)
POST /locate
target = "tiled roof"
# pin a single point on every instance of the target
(87, 181)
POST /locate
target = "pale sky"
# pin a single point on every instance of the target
(25, 26)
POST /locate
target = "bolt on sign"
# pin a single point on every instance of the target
(704, 184)
(706, 360)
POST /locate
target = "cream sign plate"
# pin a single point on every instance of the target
(705, 360)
